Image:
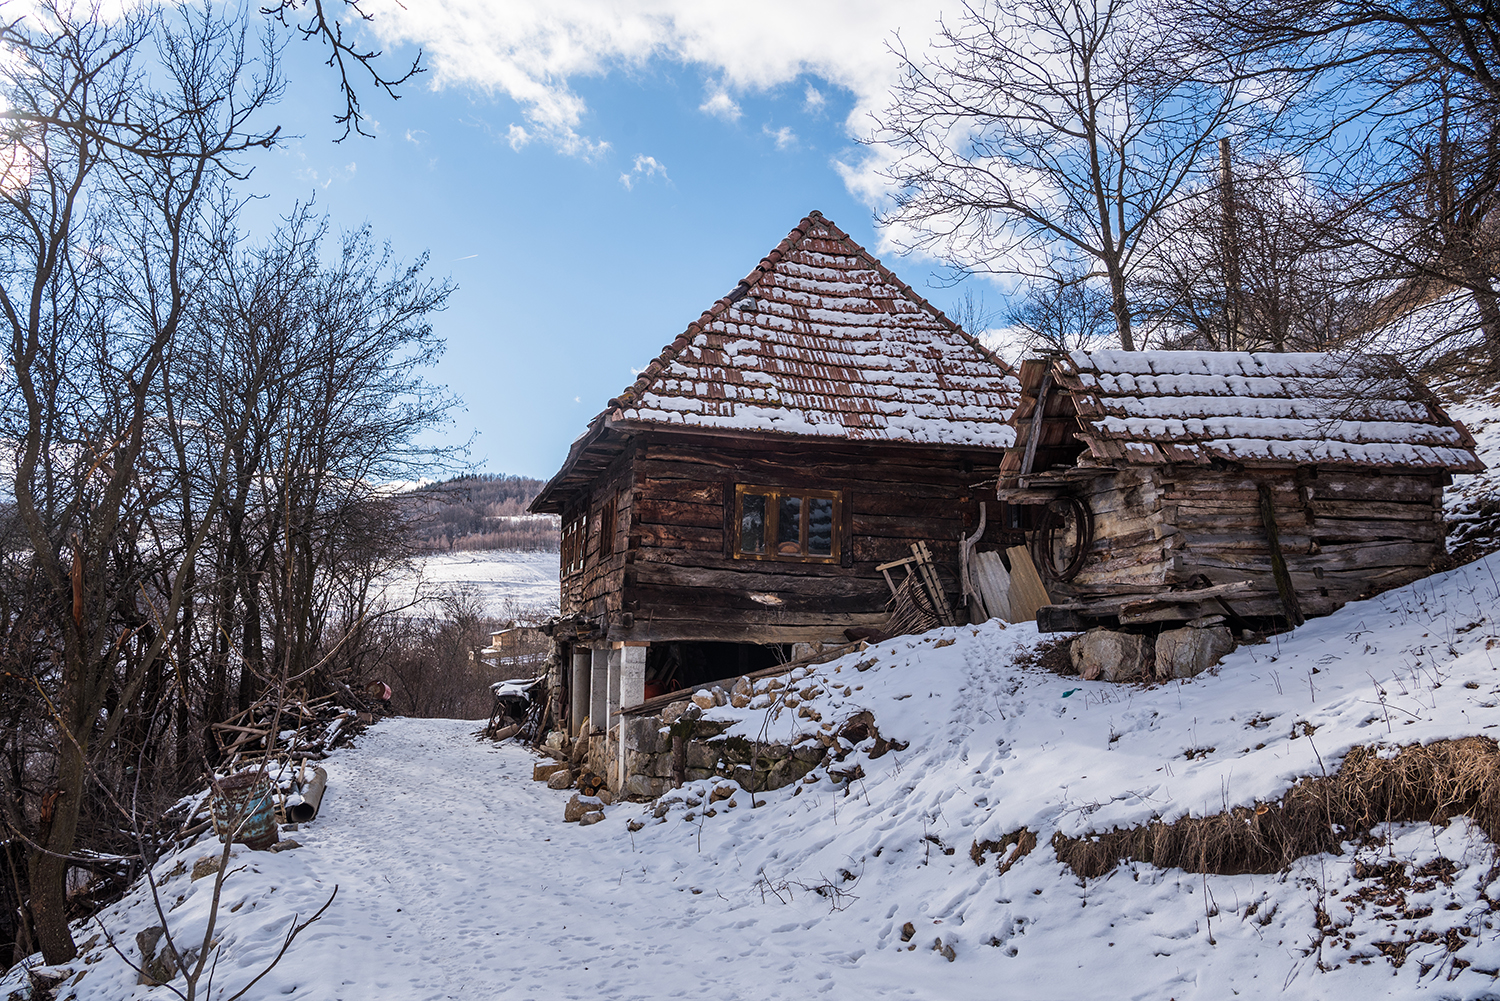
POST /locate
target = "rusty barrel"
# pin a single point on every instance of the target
(244, 811)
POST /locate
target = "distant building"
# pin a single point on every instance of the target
(740, 496)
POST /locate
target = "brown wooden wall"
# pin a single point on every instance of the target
(673, 571)
(1342, 532)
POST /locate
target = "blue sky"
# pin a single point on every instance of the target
(507, 167)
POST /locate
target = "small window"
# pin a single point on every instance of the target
(773, 523)
(608, 523)
(574, 538)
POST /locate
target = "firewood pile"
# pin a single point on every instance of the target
(518, 711)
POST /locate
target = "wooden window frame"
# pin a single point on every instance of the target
(609, 524)
(575, 539)
(773, 495)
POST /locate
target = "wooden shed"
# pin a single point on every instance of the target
(1168, 486)
(740, 496)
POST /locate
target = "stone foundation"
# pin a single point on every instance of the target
(1174, 653)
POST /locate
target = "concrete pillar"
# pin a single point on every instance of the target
(598, 689)
(614, 689)
(632, 693)
(579, 707)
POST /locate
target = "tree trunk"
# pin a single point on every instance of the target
(48, 867)
(1119, 305)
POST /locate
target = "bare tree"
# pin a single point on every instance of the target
(118, 130)
(1261, 261)
(1399, 104)
(1049, 137)
(1064, 313)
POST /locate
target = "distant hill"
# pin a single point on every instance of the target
(481, 512)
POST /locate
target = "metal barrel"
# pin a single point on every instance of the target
(244, 812)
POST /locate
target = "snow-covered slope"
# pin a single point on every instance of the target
(458, 880)
(1472, 504)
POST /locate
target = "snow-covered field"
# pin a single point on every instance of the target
(502, 581)
(458, 879)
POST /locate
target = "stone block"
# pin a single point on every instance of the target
(704, 699)
(542, 771)
(1184, 653)
(701, 755)
(644, 786)
(578, 806)
(643, 734)
(1111, 655)
(674, 712)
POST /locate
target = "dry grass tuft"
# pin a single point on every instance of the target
(1430, 783)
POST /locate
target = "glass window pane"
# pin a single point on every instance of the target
(789, 526)
(820, 526)
(752, 523)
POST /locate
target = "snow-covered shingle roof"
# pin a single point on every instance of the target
(822, 340)
(1257, 408)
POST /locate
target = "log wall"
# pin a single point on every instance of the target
(674, 577)
(1342, 532)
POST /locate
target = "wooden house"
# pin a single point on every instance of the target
(739, 497)
(1168, 486)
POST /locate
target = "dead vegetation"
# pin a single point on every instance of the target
(1430, 783)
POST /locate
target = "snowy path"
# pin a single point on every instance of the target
(458, 880)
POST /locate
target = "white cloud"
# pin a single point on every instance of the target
(412, 136)
(645, 167)
(721, 105)
(784, 137)
(813, 100)
(533, 51)
(517, 137)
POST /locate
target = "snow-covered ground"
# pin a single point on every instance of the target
(458, 879)
(503, 581)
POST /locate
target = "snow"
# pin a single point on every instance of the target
(457, 878)
(502, 581)
(1472, 504)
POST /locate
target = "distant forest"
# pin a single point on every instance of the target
(481, 512)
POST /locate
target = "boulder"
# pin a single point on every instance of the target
(743, 687)
(560, 779)
(544, 770)
(578, 806)
(205, 866)
(704, 699)
(674, 712)
(1184, 653)
(739, 701)
(154, 969)
(592, 817)
(1111, 655)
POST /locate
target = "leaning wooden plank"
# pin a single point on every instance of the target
(1027, 593)
(993, 581)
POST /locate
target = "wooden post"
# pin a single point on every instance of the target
(1289, 601)
(1036, 425)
